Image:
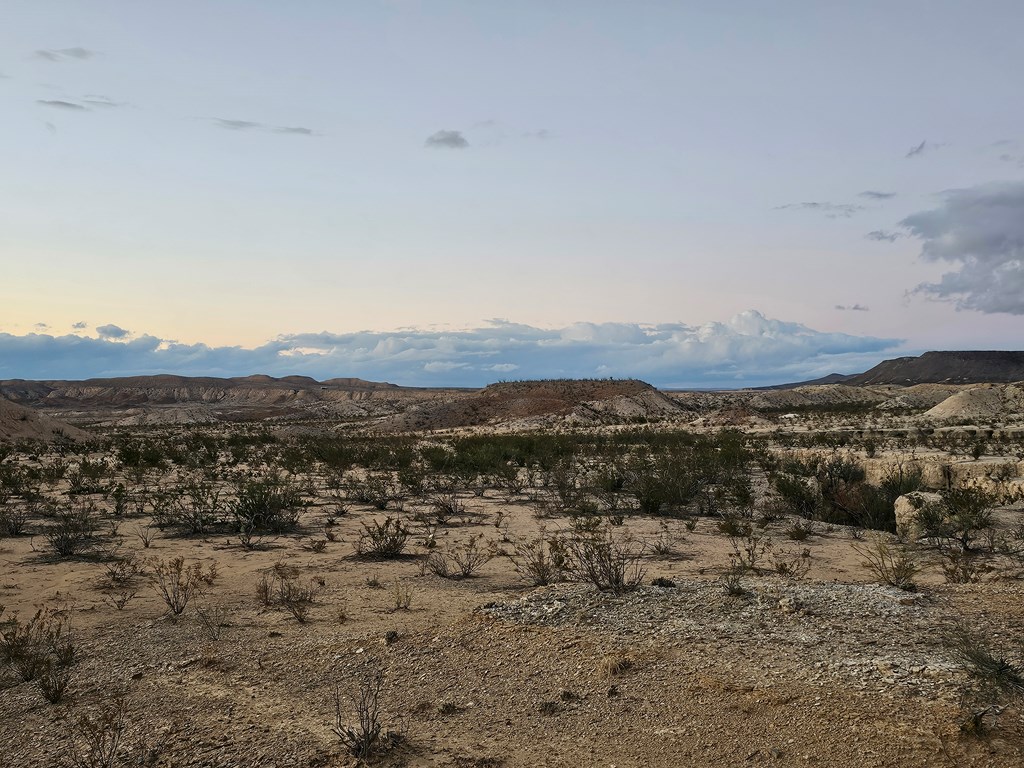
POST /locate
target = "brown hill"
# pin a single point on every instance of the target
(533, 403)
(20, 423)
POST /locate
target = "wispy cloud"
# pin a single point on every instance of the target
(98, 100)
(236, 125)
(81, 325)
(541, 133)
(917, 150)
(447, 140)
(250, 125)
(63, 54)
(852, 308)
(748, 349)
(979, 230)
(830, 210)
(884, 235)
(871, 194)
(60, 104)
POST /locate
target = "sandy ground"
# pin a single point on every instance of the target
(829, 669)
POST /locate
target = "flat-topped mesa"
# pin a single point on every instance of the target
(964, 367)
(165, 389)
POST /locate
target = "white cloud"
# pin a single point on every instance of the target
(748, 349)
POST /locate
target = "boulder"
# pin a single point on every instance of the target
(907, 507)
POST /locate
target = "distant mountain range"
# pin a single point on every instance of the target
(971, 367)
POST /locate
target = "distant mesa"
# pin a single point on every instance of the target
(968, 367)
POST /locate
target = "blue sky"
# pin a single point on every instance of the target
(697, 194)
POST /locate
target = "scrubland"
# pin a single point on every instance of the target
(825, 589)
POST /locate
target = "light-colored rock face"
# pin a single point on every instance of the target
(20, 423)
(983, 403)
(907, 508)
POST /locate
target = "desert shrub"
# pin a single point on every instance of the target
(280, 587)
(643, 481)
(98, 739)
(749, 548)
(446, 504)
(53, 680)
(901, 479)
(664, 544)
(121, 569)
(871, 508)
(995, 678)
(799, 531)
(995, 671)
(213, 620)
(383, 540)
(13, 519)
(41, 649)
(73, 531)
(296, 598)
(562, 487)
(888, 563)
(266, 504)
(799, 497)
(374, 489)
(177, 583)
(601, 558)
(401, 595)
(197, 506)
(793, 566)
(962, 566)
(537, 560)
(732, 582)
(959, 518)
(367, 736)
(146, 535)
(459, 561)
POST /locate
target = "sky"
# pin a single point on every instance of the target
(454, 193)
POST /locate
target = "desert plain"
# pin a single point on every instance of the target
(283, 572)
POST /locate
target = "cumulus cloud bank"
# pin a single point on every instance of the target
(747, 350)
(980, 231)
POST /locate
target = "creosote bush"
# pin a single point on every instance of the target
(383, 540)
(366, 737)
(539, 560)
(599, 557)
(889, 563)
(177, 583)
(73, 532)
(459, 561)
(42, 650)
